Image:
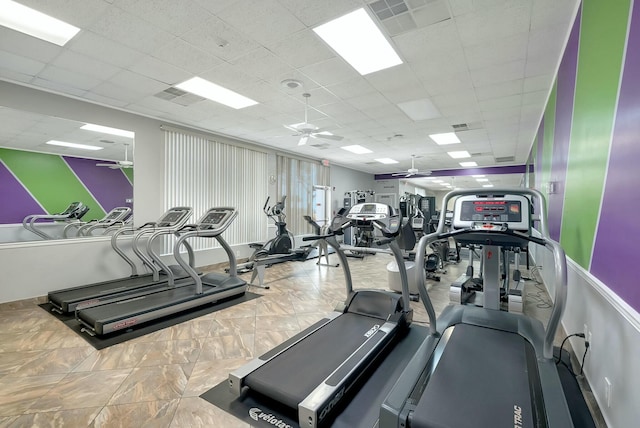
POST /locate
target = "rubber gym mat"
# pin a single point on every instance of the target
(120, 337)
(363, 409)
(575, 400)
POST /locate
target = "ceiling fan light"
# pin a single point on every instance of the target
(303, 140)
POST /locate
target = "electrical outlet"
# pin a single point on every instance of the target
(607, 391)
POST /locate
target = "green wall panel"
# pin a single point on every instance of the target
(129, 173)
(602, 41)
(50, 181)
(549, 130)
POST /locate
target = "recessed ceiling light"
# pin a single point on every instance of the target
(460, 154)
(428, 178)
(359, 150)
(386, 160)
(217, 93)
(477, 176)
(73, 145)
(357, 39)
(420, 109)
(438, 181)
(487, 185)
(466, 164)
(37, 24)
(446, 138)
(482, 180)
(108, 130)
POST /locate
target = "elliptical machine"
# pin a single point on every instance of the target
(283, 242)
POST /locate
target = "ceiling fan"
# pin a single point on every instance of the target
(306, 130)
(126, 163)
(411, 171)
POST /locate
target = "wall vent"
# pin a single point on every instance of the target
(459, 127)
(400, 16)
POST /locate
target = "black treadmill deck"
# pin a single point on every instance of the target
(483, 379)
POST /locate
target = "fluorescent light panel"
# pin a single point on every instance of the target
(108, 130)
(460, 154)
(217, 93)
(482, 180)
(37, 24)
(73, 145)
(438, 181)
(487, 185)
(468, 164)
(359, 150)
(445, 138)
(478, 176)
(386, 160)
(357, 39)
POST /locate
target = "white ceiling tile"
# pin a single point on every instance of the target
(440, 64)
(351, 88)
(220, 39)
(541, 64)
(229, 76)
(186, 56)
(510, 101)
(255, 18)
(83, 64)
(20, 64)
(136, 82)
(496, 51)
(160, 70)
(550, 12)
(498, 73)
(455, 98)
(27, 46)
(374, 99)
(502, 89)
(503, 20)
(329, 72)
(313, 12)
(320, 97)
(81, 13)
(300, 49)
(444, 84)
(57, 86)
(101, 48)
(536, 98)
(122, 27)
(106, 100)
(537, 83)
(501, 113)
(419, 45)
(69, 78)
(169, 15)
(263, 64)
(118, 93)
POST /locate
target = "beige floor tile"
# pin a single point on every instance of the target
(194, 412)
(34, 363)
(232, 326)
(156, 414)
(171, 352)
(153, 384)
(207, 374)
(227, 347)
(124, 355)
(18, 394)
(60, 419)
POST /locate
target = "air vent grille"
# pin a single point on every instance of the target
(505, 159)
(459, 127)
(400, 16)
(179, 96)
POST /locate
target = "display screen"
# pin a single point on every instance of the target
(491, 211)
(214, 218)
(172, 217)
(368, 209)
(114, 215)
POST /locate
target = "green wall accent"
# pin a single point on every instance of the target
(50, 181)
(602, 40)
(549, 130)
(129, 173)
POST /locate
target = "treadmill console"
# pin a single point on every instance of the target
(510, 210)
(174, 217)
(215, 218)
(115, 214)
(383, 216)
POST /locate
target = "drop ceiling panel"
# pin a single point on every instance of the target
(69, 78)
(443, 84)
(20, 64)
(168, 15)
(300, 49)
(159, 70)
(497, 90)
(27, 46)
(80, 13)
(538, 83)
(511, 101)
(496, 51)
(263, 64)
(329, 72)
(183, 55)
(83, 64)
(498, 73)
(101, 48)
(313, 12)
(486, 23)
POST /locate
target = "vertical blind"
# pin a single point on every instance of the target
(202, 173)
(296, 179)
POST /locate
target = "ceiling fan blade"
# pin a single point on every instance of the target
(303, 140)
(327, 137)
(109, 165)
(291, 128)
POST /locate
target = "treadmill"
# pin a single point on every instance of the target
(68, 299)
(73, 213)
(337, 352)
(115, 216)
(210, 288)
(480, 366)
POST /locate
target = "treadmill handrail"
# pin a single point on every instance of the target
(158, 260)
(217, 233)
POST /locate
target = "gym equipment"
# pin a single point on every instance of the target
(68, 299)
(198, 291)
(481, 367)
(74, 212)
(321, 244)
(276, 250)
(331, 356)
(116, 216)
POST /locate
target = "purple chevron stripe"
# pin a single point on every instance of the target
(614, 259)
(16, 200)
(110, 187)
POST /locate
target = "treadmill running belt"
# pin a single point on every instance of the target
(292, 375)
(481, 380)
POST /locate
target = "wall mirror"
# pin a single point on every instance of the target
(47, 163)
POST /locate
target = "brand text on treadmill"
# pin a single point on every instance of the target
(371, 331)
(257, 415)
(517, 416)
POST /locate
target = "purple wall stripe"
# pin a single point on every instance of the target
(562, 137)
(110, 187)
(538, 159)
(17, 200)
(509, 169)
(614, 258)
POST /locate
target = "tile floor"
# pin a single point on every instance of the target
(51, 377)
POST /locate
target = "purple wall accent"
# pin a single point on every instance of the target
(510, 169)
(537, 170)
(614, 260)
(17, 200)
(110, 187)
(562, 136)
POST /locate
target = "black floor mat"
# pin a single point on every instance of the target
(363, 408)
(119, 337)
(580, 413)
